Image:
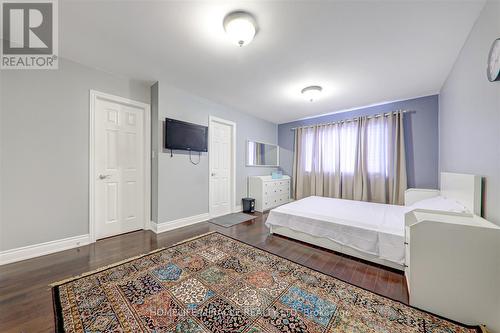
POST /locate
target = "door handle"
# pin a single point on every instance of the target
(213, 174)
(104, 176)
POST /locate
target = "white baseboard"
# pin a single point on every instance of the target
(185, 221)
(37, 250)
(238, 209)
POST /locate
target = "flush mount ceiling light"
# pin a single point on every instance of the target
(312, 92)
(240, 27)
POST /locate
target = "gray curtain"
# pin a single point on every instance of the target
(359, 160)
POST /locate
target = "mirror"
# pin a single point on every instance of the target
(262, 154)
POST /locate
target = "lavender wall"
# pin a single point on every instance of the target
(421, 137)
(470, 113)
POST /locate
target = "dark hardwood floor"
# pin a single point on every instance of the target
(25, 295)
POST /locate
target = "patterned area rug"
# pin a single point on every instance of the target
(217, 284)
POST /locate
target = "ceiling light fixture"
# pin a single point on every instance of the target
(240, 27)
(312, 92)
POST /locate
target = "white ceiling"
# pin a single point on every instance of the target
(361, 52)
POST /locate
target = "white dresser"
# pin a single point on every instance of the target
(267, 192)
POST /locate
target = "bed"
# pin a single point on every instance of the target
(371, 231)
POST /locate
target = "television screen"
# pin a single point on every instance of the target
(180, 135)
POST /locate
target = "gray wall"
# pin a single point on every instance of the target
(421, 137)
(45, 150)
(470, 112)
(182, 186)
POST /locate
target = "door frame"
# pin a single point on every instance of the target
(232, 195)
(94, 95)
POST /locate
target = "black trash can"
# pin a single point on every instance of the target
(248, 205)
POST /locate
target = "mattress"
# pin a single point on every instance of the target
(376, 229)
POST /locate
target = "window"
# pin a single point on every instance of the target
(334, 148)
(377, 145)
(334, 159)
(328, 140)
(348, 147)
(308, 149)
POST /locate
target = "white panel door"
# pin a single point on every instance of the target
(119, 170)
(221, 160)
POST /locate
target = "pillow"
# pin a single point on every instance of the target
(440, 203)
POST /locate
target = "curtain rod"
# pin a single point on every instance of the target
(353, 119)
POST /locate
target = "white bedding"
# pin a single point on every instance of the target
(376, 229)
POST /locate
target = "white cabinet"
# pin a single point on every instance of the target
(453, 266)
(267, 192)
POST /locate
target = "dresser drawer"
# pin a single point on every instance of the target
(283, 191)
(276, 183)
(267, 203)
(282, 199)
(270, 186)
(276, 187)
(281, 183)
(277, 191)
(275, 200)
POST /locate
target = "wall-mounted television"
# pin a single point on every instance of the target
(180, 135)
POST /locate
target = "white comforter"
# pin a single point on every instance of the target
(373, 228)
